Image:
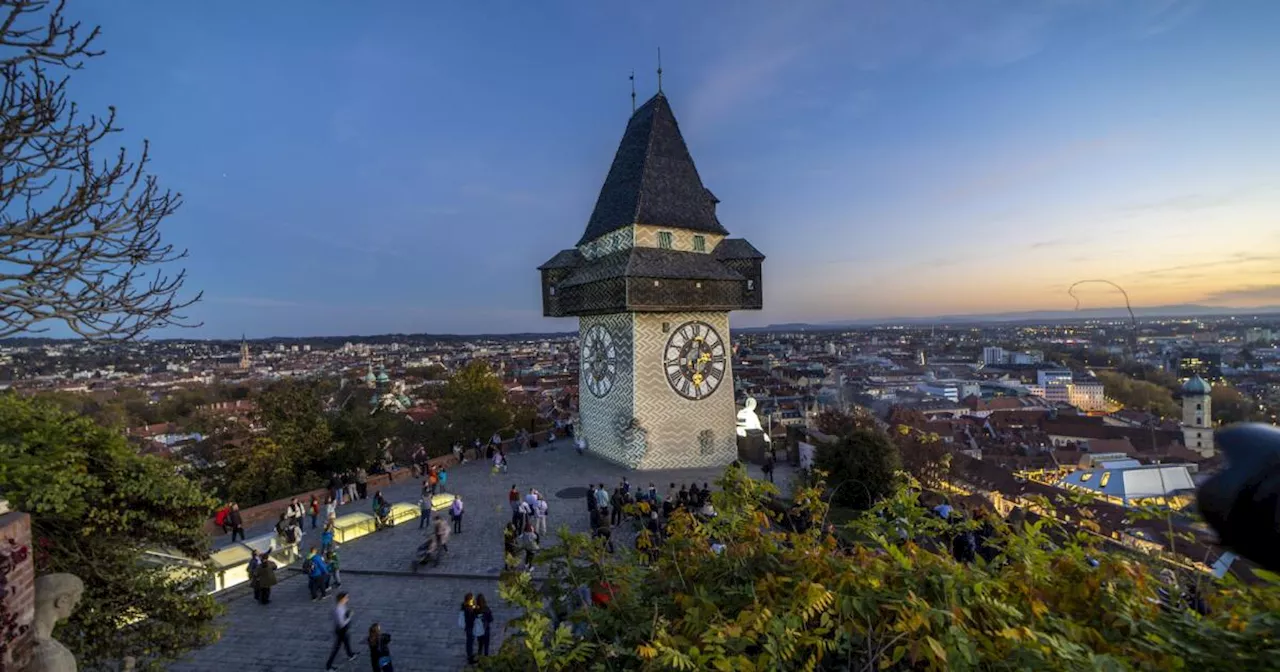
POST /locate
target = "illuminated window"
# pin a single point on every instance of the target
(751, 285)
(1106, 477)
(699, 243)
(664, 240)
(1088, 475)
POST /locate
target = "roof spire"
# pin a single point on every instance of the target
(633, 92)
(659, 69)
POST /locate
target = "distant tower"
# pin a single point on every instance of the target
(245, 360)
(652, 281)
(1197, 416)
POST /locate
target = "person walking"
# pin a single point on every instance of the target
(455, 512)
(443, 476)
(442, 533)
(317, 574)
(236, 522)
(331, 508)
(331, 559)
(265, 578)
(314, 510)
(379, 649)
(768, 466)
(467, 621)
(341, 627)
(483, 624)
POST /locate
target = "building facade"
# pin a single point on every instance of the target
(652, 281)
(1197, 416)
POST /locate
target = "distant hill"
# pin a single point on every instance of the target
(1119, 312)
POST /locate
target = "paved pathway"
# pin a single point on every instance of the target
(420, 610)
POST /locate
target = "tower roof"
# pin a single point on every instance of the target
(1196, 385)
(653, 179)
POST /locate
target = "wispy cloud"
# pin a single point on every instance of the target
(1235, 260)
(1192, 202)
(1256, 293)
(1044, 244)
(1161, 16)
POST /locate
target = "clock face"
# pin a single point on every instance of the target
(695, 360)
(599, 360)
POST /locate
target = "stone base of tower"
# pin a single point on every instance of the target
(644, 424)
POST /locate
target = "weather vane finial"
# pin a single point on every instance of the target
(633, 91)
(659, 69)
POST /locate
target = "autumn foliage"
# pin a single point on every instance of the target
(778, 599)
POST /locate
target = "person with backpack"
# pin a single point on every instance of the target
(379, 649)
(482, 625)
(317, 574)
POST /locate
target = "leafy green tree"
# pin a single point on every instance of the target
(774, 599)
(473, 403)
(1139, 394)
(860, 467)
(96, 507)
(1229, 405)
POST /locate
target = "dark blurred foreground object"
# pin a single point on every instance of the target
(1242, 502)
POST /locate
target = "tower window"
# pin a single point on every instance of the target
(699, 243)
(751, 285)
(1199, 407)
(551, 290)
(664, 240)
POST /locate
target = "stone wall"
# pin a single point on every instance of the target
(18, 604)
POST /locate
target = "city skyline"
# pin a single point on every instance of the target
(404, 169)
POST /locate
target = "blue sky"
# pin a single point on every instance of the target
(405, 166)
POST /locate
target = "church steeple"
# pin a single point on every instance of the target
(653, 179)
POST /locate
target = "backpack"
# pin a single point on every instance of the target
(307, 566)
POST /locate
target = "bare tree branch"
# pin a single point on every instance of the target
(79, 232)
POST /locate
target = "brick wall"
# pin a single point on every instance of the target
(270, 512)
(19, 599)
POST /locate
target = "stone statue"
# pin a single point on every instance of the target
(748, 420)
(56, 598)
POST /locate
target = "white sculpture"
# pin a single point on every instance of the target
(748, 420)
(56, 598)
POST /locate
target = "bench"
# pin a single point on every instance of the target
(352, 526)
(402, 512)
(441, 501)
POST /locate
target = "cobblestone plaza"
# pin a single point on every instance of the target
(419, 609)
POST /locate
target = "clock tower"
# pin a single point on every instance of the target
(652, 281)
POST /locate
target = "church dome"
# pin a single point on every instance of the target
(383, 377)
(1196, 385)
